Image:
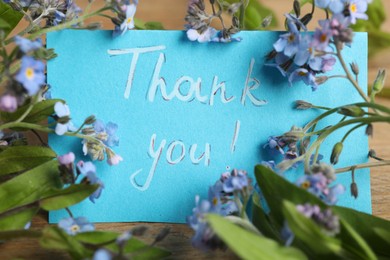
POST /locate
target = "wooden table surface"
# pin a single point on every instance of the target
(171, 13)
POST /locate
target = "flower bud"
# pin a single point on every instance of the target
(266, 21)
(354, 190)
(337, 149)
(302, 105)
(90, 120)
(353, 111)
(379, 81)
(369, 130)
(321, 80)
(297, 8)
(355, 68)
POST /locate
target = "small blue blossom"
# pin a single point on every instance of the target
(303, 75)
(102, 254)
(63, 123)
(275, 143)
(322, 36)
(318, 184)
(88, 170)
(31, 74)
(237, 181)
(26, 45)
(325, 219)
(205, 36)
(357, 10)
(288, 43)
(106, 133)
(204, 237)
(128, 22)
(335, 6)
(219, 200)
(72, 226)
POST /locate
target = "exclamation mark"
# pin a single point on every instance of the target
(235, 136)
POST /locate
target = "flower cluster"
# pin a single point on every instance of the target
(318, 184)
(28, 80)
(303, 56)
(86, 170)
(285, 145)
(103, 137)
(325, 219)
(222, 200)
(125, 15)
(199, 22)
(53, 12)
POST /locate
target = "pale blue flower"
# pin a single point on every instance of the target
(335, 6)
(303, 75)
(72, 226)
(206, 36)
(325, 219)
(25, 45)
(62, 111)
(237, 181)
(106, 133)
(102, 254)
(31, 74)
(288, 43)
(357, 10)
(88, 170)
(128, 22)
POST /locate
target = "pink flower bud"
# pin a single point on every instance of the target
(8, 103)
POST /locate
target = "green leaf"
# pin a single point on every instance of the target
(59, 199)
(365, 226)
(276, 189)
(264, 223)
(40, 111)
(29, 186)
(136, 248)
(384, 234)
(56, 238)
(96, 237)
(17, 220)
(307, 231)
(248, 245)
(354, 243)
(11, 16)
(4, 24)
(154, 26)
(21, 158)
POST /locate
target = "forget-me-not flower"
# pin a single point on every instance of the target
(31, 74)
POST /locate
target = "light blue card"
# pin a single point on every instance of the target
(188, 112)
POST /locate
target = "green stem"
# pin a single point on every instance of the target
(349, 75)
(330, 130)
(363, 165)
(351, 130)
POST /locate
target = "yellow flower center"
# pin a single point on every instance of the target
(305, 184)
(353, 8)
(215, 201)
(291, 38)
(323, 38)
(29, 73)
(75, 228)
(129, 20)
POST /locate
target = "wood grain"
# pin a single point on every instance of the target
(171, 13)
